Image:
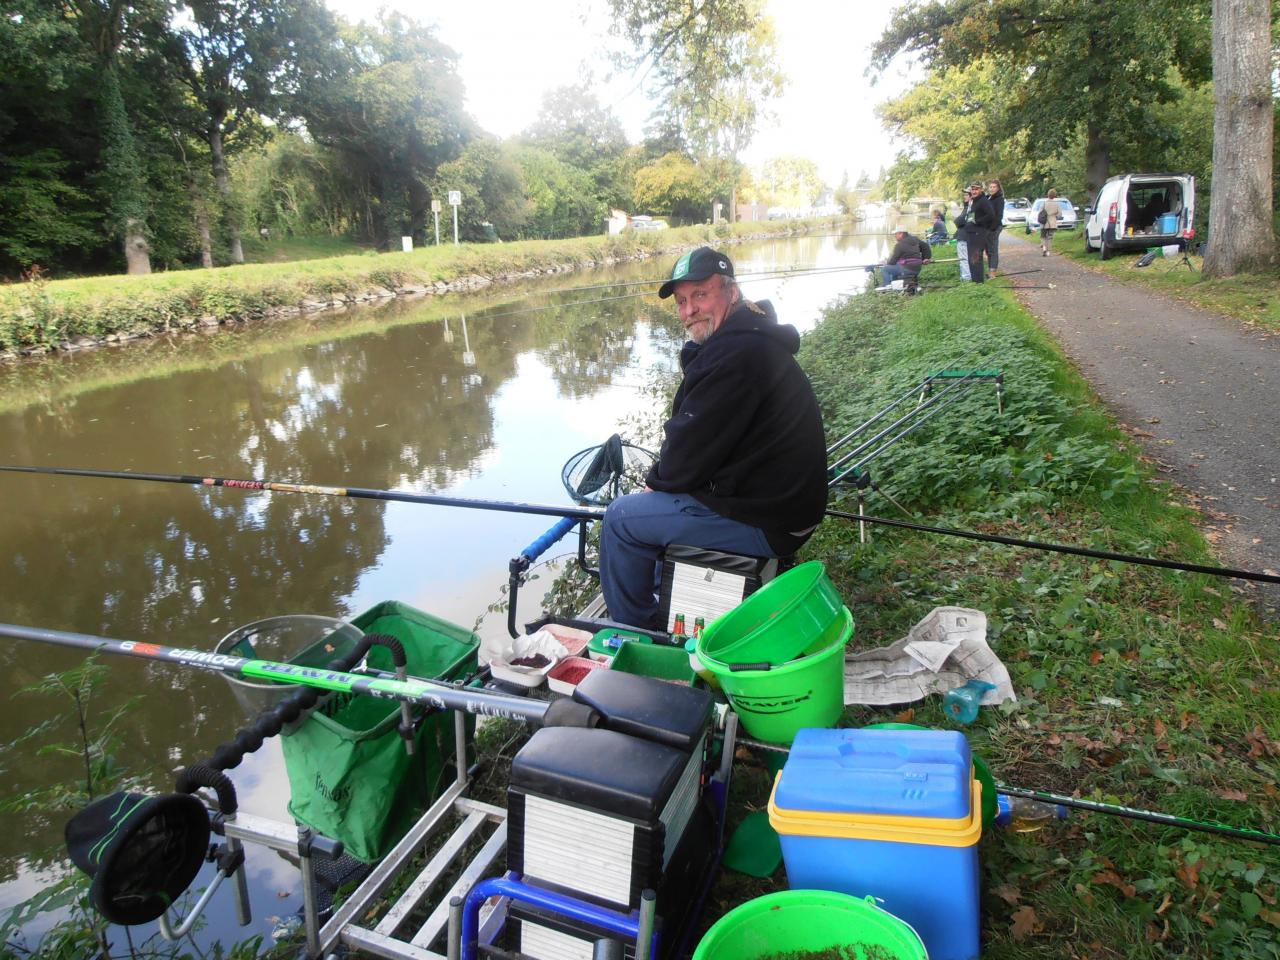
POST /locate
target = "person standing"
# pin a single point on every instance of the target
(977, 230)
(743, 463)
(1051, 211)
(962, 244)
(995, 196)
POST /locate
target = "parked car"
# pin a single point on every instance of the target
(1015, 210)
(1066, 215)
(643, 222)
(1135, 211)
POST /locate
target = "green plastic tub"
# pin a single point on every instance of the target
(774, 704)
(809, 921)
(654, 660)
(779, 622)
(606, 643)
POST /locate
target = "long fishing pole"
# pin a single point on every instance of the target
(1225, 572)
(1132, 813)
(423, 693)
(359, 493)
(597, 513)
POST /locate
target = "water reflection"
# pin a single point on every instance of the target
(404, 395)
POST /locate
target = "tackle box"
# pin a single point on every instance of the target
(894, 814)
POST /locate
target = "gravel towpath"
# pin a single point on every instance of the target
(1198, 391)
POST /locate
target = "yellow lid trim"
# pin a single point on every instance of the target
(894, 829)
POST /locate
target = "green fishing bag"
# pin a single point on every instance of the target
(349, 775)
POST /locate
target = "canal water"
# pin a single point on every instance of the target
(479, 396)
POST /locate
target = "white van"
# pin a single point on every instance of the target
(1135, 211)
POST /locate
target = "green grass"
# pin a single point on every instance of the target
(1251, 298)
(43, 314)
(289, 249)
(1139, 686)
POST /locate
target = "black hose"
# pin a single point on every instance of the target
(198, 775)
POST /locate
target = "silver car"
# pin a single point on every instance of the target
(1066, 214)
(1015, 210)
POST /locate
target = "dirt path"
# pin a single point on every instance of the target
(1198, 390)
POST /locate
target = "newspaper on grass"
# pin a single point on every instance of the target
(945, 650)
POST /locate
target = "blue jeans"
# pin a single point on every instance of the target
(962, 251)
(639, 526)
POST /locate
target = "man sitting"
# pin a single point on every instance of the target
(742, 466)
(906, 257)
(938, 232)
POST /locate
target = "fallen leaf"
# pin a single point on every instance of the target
(1025, 923)
(1233, 795)
(1270, 916)
(1219, 624)
(906, 716)
(1159, 728)
(1010, 895)
(1096, 656)
(1189, 874)
(1164, 904)
(1113, 879)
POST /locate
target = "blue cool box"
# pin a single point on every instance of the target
(896, 814)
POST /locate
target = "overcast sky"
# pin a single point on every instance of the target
(511, 52)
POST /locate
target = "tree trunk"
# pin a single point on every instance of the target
(230, 216)
(137, 252)
(206, 239)
(1097, 159)
(1240, 233)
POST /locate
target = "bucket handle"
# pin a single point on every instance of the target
(736, 667)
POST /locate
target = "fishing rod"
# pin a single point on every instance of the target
(359, 493)
(1093, 806)
(1150, 816)
(1225, 572)
(750, 275)
(413, 690)
(597, 513)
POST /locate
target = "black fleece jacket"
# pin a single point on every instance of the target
(745, 436)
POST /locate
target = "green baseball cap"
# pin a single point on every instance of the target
(697, 265)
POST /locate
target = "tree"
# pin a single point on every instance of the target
(714, 65)
(106, 27)
(392, 110)
(561, 198)
(1084, 66)
(1241, 237)
(577, 130)
(673, 185)
(231, 56)
(789, 182)
(492, 189)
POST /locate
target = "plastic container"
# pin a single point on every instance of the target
(572, 639)
(565, 676)
(1167, 223)
(696, 665)
(654, 660)
(607, 642)
(894, 814)
(809, 921)
(529, 677)
(780, 621)
(775, 703)
(300, 639)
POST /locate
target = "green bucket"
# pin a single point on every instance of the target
(774, 704)
(777, 623)
(796, 921)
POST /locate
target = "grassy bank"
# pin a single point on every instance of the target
(1149, 688)
(1251, 298)
(44, 315)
